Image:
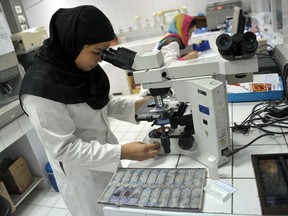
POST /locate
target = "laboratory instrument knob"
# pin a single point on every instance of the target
(186, 141)
(165, 142)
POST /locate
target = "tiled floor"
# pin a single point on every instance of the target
(239, 170)
(42, 203)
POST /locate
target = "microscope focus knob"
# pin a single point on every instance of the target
(186, 141)
(165, 142)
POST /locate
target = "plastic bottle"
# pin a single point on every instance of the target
(213, 168)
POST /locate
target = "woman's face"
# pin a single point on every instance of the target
(90, 55)
(191, 30)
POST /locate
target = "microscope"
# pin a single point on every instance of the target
(190, 105)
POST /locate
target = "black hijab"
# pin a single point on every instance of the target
(54, 75)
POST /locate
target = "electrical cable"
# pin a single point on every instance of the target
(260, 118)
(264, 114)
(268, 46)
(265, 121)
(229, 153)
(244, 127)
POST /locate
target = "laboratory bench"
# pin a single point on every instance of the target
(238, 171)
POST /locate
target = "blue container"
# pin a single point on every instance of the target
(202, 46)
(51, 177)
(256, 96)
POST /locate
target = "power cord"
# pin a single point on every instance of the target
(229, 153)
(269, 117)
(245, 126)
(267, 53)
(270, 113)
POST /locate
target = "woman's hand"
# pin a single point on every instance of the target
(139, 103)
(191, 55)
(139, 151)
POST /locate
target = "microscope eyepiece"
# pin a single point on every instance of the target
(249, 42)
(237, 46)
(111, 50)
(108, 56)
(122, 57)
(224, 43)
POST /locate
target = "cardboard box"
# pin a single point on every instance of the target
(15, 175)
(5, 194)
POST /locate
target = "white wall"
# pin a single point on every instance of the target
(121, 13)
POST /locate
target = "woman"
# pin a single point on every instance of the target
(65, 93)
(174, 43)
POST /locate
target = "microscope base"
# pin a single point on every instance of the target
(194, 152)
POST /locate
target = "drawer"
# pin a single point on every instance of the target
(10, 133)
(24, 124)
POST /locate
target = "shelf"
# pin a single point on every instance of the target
(18, 198)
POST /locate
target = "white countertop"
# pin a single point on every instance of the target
(238, 171)
(154, 40)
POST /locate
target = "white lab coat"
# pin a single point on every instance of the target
(170, 52)
(81, 139)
